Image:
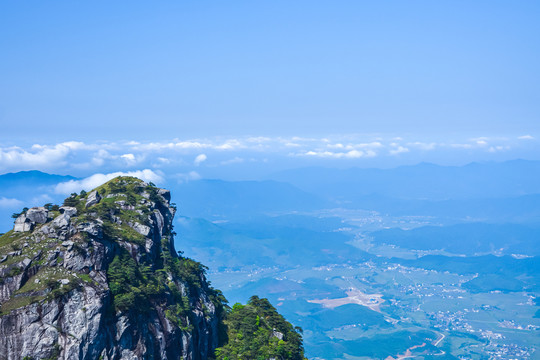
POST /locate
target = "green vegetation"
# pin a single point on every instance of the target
(117, 219)
(55, 354)
(130, 284)
(139, 285)
(16, 215)
(58, 291)
(130, 188)
(491, 282)
(17, 302)
(47, 287)
(73, 200)
(391, 344)
(258, 331)
(122, 232)
(10, 238)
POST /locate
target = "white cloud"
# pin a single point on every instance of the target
(10, 203)
(99, 157)
(259, 139)
(461, 146)
(370, 153)
(353, 154)
(423, 145)
(96, 180)
(39, 156)
(498, 148)
(80, 158)
(200, 159)
(236, 160)
(399, 150)
(481, 142)
(353, 146)
(335, 146)
(190, 145)
(229, 145)
(160, 146)
(372, 145)
(72, 145)
(129, 158)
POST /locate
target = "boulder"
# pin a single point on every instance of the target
(37, 215)
(61, 221)
(22, 224)
(93, 198)
(68, 210)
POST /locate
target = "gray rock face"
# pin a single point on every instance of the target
(22, 224)
(25, 222)
(37, 215)
(141, 229)
(71, 308)
(61, 221)
(93, 198)
(277, 334)
(165, 193)
(68, 210)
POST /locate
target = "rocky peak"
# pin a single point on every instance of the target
(99, 277)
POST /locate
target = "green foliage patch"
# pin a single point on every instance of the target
(131, 285)
(258, 331)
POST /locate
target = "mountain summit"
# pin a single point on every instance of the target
(99, 278)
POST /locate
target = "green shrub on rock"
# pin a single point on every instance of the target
(258, 331)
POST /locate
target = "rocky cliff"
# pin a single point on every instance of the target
(99, 278)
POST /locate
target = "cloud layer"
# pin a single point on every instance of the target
(10, 203)
(183, 156)
(96, 180)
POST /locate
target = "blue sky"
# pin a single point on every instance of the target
(156, 71)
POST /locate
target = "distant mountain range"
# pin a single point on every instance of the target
(466, 239)
(423, 181)
(26, 189)
(218, 199)
(507, 191)
(11, 182)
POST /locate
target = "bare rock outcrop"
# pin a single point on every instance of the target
(102, 280)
